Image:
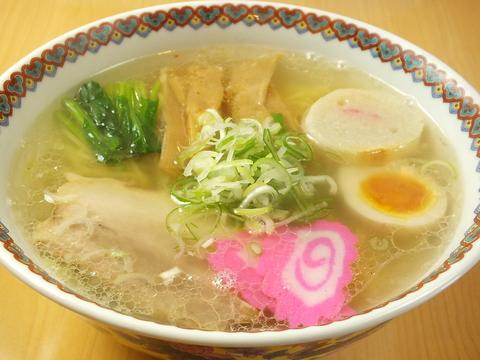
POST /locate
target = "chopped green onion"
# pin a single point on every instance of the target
(253, 172)
(193, 222)
(322, 179)
(439, 163)
(260, 224)
(298, 147)
(259, 191)
(268, 140)
(183, 189)
(256, 248)
(270, 171)
(322, 206)
(279, 119)
(252, 212)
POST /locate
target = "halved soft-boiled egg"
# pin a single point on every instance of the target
(394, 196)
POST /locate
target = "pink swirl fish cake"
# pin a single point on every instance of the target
(300, 274)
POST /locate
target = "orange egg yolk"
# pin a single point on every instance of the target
(396, 193)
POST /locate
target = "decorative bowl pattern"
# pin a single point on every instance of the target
(23, 79)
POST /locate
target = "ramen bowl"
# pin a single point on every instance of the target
(48, 72)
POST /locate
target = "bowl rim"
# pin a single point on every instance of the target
(340, 328)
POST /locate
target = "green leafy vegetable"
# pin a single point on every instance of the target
(118, 121)
(252, 172)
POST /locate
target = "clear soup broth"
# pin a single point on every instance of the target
(186, 239)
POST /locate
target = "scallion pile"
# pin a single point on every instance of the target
(249, 171)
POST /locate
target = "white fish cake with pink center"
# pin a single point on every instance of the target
(358, 124)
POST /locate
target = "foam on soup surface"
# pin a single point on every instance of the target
(223, 189)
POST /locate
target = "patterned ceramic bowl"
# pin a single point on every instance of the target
(55, 67)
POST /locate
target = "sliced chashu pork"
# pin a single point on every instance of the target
(187, 92)
(97, 216)
(93, 213)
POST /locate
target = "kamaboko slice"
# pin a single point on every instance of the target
(299, 273)
(357, 125)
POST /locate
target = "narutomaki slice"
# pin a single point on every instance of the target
(299, 274)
